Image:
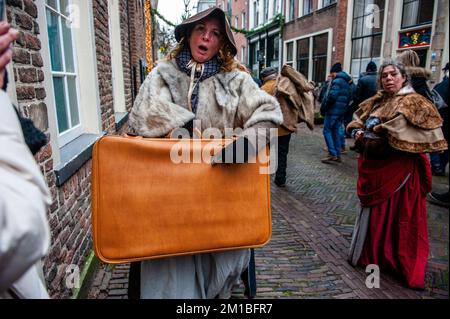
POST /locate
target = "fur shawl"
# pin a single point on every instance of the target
(411, 123)
(226, 100)
(295, 88)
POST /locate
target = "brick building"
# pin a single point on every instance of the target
(77, 80)
(314, 36)
(203, 5)
(384, 28)
(264, 42)
(237, 16)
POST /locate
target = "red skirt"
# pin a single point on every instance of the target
(395, 189)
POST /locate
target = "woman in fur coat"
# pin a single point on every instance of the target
(200, 80)
(392, 131)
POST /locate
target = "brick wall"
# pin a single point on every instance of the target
(104, 68)
(340, 29)
(138, 43)
(334, 17)
(27, 59)
(133, 46)
(70, 210)
(241, 41)
(125, 41)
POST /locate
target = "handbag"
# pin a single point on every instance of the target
(437, 99)
(155, 198)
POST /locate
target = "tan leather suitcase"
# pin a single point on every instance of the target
(145, 206)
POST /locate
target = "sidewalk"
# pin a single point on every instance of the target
(313, 221)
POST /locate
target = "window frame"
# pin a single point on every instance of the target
(328, 32)
(402, 27)
(291, 15)
(321, 3)
(308, 58)
(286, 45)
(73, 131)
(363, 37)
(301, 8)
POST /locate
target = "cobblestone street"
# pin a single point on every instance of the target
(313, 219)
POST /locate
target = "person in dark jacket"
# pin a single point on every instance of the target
(333, 107)
(440, 160)
(367, 84)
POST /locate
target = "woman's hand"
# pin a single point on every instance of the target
(357, 134)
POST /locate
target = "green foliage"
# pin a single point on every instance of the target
(277, 20)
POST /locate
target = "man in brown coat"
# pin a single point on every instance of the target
(294, 93)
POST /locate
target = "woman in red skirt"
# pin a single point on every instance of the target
(393, 130)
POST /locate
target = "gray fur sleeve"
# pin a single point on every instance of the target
(256, 106)
(154, 114)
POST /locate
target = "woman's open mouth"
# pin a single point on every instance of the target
(203, 49)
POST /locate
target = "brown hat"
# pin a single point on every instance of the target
(183, 27)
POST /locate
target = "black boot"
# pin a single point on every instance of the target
(249, 277)
(134, 281)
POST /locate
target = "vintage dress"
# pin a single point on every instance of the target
(391, 229)
(225, 100)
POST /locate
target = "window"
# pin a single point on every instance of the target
(273, 43)
(417, 12)
(290, 53)
(236, 22)
(303, 56)
(255, 14)
(307, 7)
(266, 10)
(367, 31)
(291, 10)
(63, 69)
(326, 3)
(275, 7)
(320, 55)
(253, 57)
(243, 23)
(229, 8)
(243, 60)
(310, 55)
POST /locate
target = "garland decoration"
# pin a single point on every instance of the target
(148, 35)
(276, 20)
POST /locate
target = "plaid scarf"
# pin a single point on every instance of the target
(211, 67)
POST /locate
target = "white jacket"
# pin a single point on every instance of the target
(24, 196)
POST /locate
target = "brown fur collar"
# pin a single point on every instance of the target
(416, 109)
(418, 72)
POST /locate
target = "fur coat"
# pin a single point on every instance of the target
(296, 92)
(408, 120)
(226, 100)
